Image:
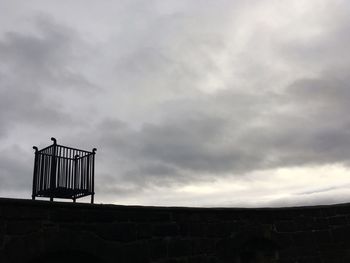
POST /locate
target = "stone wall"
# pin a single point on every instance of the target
(39, 231)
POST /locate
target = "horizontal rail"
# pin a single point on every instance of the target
(61, 157)
(75, 149)
(65, 147)
(43, 149)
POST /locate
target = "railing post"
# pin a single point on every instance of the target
(35, 172)
(93, 175)
(53, 169)
(87, 176)
(75, 175)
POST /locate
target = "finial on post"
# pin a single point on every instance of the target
(54, 140)
(36, 149)
(94, 150)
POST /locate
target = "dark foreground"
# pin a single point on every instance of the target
(38, 231)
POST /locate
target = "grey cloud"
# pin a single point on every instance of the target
(321, 190)
(201, 140)
(38, 56)
(32, 68)
(184, 148)
(14, 173)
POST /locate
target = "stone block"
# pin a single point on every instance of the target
(190, 215)
(123, 232)
(179, 247)
(329, 211)
(321, 223)
(267, 217)
(338, 220)
(144, 230)
(304, 239)
(285, 226)
(199, 259)
(197, 229)
(135, 252)
(311, 212)
(99, 216)
(66, 215)
(343, 210)
(157, 248)
(2, 233)
(23, 249)
(304, 223)
(25, 213)
(341, 234)
(288, 253)
(322, 236)
(74, 226)
(144, 215)
(194, 229)
(220, 229)
(283, 239)
(22, 227)
(165, 229)
(203, 246)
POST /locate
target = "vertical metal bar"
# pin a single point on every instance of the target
(88, 172)
(41, 182)
(44, 172)
(72, 169)
(93, 175)
(62, 179)
(39, 171)
(69, 169)
(66, 166)
(53, 170)
(48, 168)
(81, 172)
(75, 176)
(58, 158)
(43, 158)
(37, 174)
(34, 190)
(47, 163)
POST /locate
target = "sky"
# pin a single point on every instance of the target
(188, 102)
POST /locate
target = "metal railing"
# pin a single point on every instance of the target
(63, 172)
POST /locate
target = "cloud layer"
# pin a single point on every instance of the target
(178, 96)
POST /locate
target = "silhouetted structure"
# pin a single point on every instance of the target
(63, 172)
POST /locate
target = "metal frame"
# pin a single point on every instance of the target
(63, 172)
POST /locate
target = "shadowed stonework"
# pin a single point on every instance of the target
(39, 231)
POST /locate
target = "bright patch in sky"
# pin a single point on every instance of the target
(273, 188)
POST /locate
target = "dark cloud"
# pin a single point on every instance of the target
(34, 74)
(307, 125)
(33, 67)
(14, 173)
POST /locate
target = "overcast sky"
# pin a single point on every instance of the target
(189, 103)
